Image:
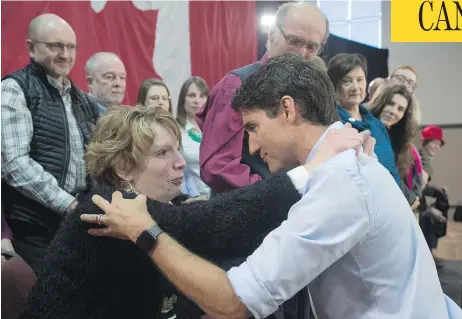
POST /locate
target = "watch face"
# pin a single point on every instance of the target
(146, 241)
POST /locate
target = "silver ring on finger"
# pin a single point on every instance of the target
(98, 219)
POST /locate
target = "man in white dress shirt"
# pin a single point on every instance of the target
(352, 239)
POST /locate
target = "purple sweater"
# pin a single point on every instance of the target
(222, 138)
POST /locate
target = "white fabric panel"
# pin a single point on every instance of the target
(172, 54)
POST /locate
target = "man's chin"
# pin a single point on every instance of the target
(275, 168)
(115, 102)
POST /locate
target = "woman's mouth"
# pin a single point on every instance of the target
(177, 181)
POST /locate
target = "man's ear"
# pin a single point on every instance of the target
(30, 48)
(271, 36)
(288, 108)
(89, 79)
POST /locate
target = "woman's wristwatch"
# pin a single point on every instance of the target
(148, 238)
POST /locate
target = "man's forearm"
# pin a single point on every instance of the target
(204, 283)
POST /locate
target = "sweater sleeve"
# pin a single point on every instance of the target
(230, 224)
(221, 147)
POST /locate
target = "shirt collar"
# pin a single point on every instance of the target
(367, 116)
(188, 126)
(63, 89)
(313, 152)
(365, 113)
(264, 58)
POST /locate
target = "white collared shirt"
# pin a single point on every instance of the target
(354, 242)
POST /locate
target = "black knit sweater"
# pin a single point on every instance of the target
(86, 277)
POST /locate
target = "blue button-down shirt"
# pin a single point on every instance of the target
(354, 242)
(101, 108)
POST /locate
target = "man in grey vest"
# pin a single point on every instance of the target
(46, 121)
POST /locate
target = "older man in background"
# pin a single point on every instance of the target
(405, 75)
(224, 158)
(106, 79)
(46, 121)
(225, 161)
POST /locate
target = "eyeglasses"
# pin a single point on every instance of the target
(58, 46)
(299, 42)
(404, 80)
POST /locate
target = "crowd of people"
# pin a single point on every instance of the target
(291, 189)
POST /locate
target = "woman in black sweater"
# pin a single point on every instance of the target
(85, 277)
(134, 150)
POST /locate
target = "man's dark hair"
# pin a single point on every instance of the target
(289, 74)
(342, 64)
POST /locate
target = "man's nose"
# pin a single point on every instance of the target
(254, 147)
(303, 52)
(65, 53)
(118, 81)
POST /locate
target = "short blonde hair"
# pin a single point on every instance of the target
(403, 67)
(121, 140)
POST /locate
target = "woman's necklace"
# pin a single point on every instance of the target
(195, 136)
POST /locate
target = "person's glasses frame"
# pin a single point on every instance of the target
(58, 46)
(404, 80)
(299, 42)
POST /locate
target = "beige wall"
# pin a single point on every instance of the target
(447, 165)
(439, 67)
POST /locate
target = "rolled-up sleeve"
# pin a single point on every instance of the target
(321, 228)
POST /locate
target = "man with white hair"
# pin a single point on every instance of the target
(106, 79)
(224, 157)
(46, 121)
(225, 161)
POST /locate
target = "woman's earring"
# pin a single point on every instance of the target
(131, 189)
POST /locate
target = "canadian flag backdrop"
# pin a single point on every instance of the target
(171, 40)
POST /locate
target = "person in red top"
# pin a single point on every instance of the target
(298, 27)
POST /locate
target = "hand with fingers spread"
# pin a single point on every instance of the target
(123, 218)
(340, 140)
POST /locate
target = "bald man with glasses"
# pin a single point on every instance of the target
(46, 121)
